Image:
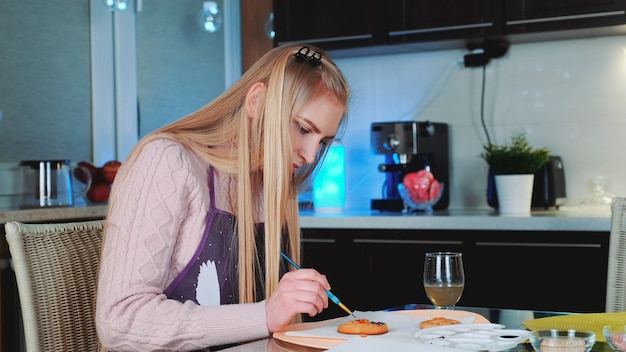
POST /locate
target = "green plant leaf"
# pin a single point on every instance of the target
(515, 157)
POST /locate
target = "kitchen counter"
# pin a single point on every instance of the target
(54, 214)
(564, 219)
(573, 219)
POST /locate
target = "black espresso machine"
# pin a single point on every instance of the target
(410, 146)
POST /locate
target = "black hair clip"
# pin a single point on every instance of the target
(314, 59)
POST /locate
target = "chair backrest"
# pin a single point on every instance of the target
(616, 276)
(56, 267)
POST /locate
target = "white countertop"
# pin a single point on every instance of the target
(573, 219)
(54, 214)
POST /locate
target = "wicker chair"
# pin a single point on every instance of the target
(56, 267)
(616, 276)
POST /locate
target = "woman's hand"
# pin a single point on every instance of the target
(300, 291)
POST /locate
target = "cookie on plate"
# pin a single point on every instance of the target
(438, 321)
(363, 327)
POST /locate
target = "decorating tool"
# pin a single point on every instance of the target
(328, 293)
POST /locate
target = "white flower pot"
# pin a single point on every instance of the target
(515, 193)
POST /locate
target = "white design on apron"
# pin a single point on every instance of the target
(208, 289)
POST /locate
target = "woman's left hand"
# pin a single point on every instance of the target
(300, 291)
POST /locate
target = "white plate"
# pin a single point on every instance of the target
(472, 337)
(324, 335)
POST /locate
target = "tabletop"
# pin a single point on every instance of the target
(510, 318)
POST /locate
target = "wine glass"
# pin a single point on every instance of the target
(444, 278)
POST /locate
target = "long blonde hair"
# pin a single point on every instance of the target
(259, 151)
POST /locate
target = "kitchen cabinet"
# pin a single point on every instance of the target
(538, 269)
(370, 272)
(329, 24)
(527, 16)
(396, 261)
(347, 24)
(410, 21)
(377, 268)
(331, 255)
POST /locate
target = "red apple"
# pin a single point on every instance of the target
(98, 192)
(109, 170)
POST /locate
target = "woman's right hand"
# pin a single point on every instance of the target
(300, 291)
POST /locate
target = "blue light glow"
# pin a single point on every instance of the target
(329, 187)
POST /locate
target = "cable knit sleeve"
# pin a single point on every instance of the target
(153, 229)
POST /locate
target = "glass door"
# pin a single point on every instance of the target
(166, 65)
(180, 67)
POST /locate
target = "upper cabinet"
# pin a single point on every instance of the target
(329, 24)
(411, 21)
(343, 24)
(529, 16)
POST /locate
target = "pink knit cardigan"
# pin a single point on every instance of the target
(153, 229)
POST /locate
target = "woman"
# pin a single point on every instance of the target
(202, 208)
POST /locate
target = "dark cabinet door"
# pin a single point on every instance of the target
(527, 16)
(412, 20)
(538, 270)
(329, 24)
(371, 269)
(330, 253)
(394, 264)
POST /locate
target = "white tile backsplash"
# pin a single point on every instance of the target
(569, 96)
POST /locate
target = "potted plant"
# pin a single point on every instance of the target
(512, 167)
(515, 157)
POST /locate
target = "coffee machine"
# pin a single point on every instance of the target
(409, 147)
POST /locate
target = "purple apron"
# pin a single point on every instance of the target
(211, 276)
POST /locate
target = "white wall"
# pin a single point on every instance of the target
(569, 96)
